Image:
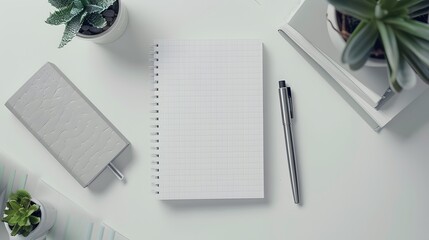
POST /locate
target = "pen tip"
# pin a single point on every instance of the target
(282, 84)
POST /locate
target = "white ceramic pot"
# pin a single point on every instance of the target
(339, 42)
(47, 220)
(114, 32)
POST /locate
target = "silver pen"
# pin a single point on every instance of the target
(287, 116)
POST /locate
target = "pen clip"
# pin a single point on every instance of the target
(289, 95)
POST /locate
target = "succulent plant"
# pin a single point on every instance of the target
(405, 40)
(19, 213)
(73, 13)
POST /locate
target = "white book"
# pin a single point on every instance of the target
(208, 112)
(70, 127)
(308, 29)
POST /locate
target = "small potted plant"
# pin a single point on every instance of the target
(395, 32)
(101, 21)
(26, 218)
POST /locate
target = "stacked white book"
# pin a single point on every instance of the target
(309, 28)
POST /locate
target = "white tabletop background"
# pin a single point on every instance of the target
(355, 183)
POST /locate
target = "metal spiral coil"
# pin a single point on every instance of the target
(155, 118)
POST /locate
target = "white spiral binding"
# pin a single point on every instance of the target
(155, 118)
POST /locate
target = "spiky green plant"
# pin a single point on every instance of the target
(405, 41)
(19, 213)
(73, 13)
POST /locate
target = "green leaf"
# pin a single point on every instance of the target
(78, 4)
(421, 43)
(391, 49)
(418, 6)
(61, 16)
(34, 220)
(91, 8)
(420, 68)
(359, 64)
(360, 44)
(405, 4)
(412, 27)
(27, 222)
(60, 3)
(14, 205)
(26, 230)
(14, 220)
(7, 218)
(32, 209)
(398, 13)
(419, 12)
(25, 202)
(77, 7)
(72, 28)
(19, 194)
(9, 211)
(406, 76)
(388, 4)
(393, 81)
(76, 11)
(355, 33)
(408, 43)
(103, 3)
(379, 12)
(23, 222)
(96, 20)
(15, 230)
(361, 9)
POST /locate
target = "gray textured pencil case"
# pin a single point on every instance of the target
(73, 130)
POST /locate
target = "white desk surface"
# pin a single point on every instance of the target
(355, 183)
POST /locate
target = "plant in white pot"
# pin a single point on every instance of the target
(26, 218)
(394, 30)
(101, 21)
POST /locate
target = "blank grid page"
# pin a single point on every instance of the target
(210, 119)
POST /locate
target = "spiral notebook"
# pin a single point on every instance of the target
(208, 114)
